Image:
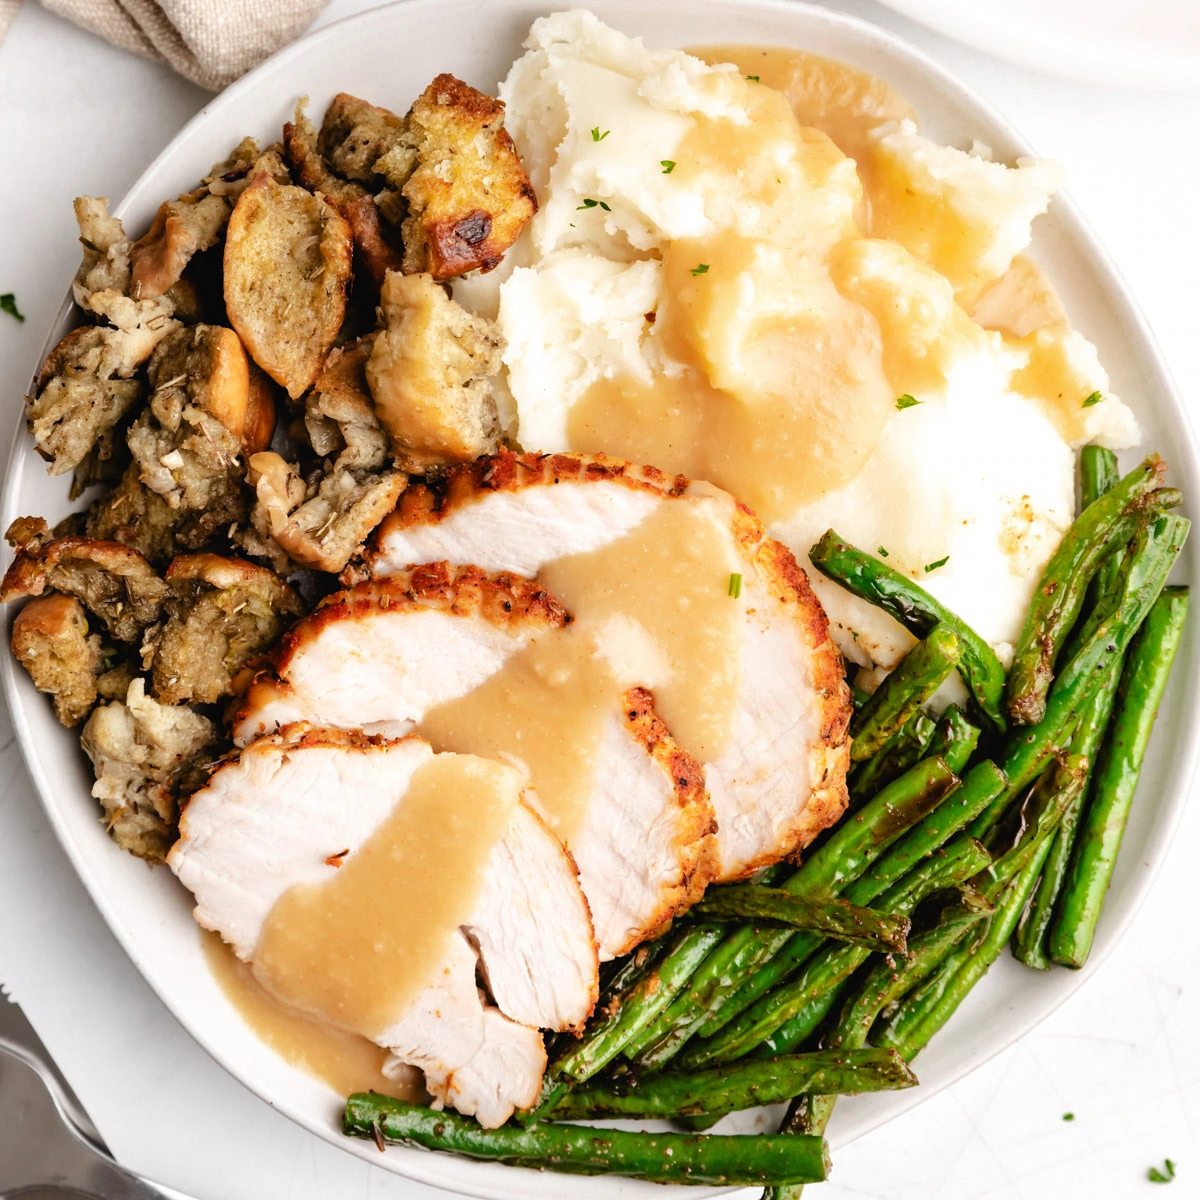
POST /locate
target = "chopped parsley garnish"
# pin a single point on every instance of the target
(702, 269)
(906, 401)
(933, 566)
(752, 78)
(735, 586)
(667, 165)
(589, 203)
(882, 551)
(8, 303)
(1157, 1176)
(1094, 398)
(597, 136)
(1068, 1116)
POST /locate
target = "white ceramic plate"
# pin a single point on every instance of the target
(388, 55)
(1108, 43)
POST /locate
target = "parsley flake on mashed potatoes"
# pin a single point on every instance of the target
(751, 312)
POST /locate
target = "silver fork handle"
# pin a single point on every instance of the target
(71, 1112)
(40, 1147)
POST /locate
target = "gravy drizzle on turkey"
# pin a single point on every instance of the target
(651, 609)
(355, 948)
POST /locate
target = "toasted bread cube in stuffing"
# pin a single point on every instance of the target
(310, 167)
(209, 408)
(231, 177)
(377, 245)
(75, 400)
(209, 368)
(287, 264)
(450, 173)
(196, 221)
(195, 467)
(318, 524)
(114, 683)
(355, 135)
(428, 373)
(27, 533)
(102, 286)
(339, 413)
(135, 516)
(375, 251)
(468, 195)
(184, 452)
(50, 640)
(146, 757)
(220, 613)
(106, 264)
(181, 229)
(113, 582)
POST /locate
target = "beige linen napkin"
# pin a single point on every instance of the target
(210, 42)
(8, 10)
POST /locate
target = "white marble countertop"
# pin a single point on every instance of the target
(1123, 1055)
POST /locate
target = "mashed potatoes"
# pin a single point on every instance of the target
(715, 288)
(959, 212)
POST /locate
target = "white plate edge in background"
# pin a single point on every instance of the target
(1007, 36)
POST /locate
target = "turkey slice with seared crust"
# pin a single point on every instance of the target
(780, 779)
(384, 653)
(283, 812)
(350, 666)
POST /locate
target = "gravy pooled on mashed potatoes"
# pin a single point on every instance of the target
(760, 273)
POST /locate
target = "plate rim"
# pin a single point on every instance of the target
(963, 98)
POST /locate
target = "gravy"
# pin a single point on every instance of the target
(1024, 308)
(785, 339)
(355, 949)
(660, 599)
(651, 609)
(544, 711)
(841, 101)
(779, 402)
(347, 1062)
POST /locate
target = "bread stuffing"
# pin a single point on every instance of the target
(219, 613)
(146, 756)
(212, 408)
(50, 639)
(287, 266)
(429, 374)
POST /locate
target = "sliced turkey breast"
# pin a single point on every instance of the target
(473, 1057)
(344, 666)
(293, 808)
(385, 653)
(524, 524)
(780, 777)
